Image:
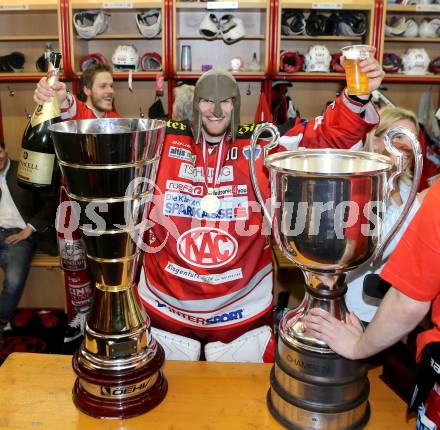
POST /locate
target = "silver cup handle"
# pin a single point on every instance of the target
(275, 138)
(418, 161)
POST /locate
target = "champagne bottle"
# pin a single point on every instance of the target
(37, 168)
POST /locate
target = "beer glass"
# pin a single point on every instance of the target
(357, 81)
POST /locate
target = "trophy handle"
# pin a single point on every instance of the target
(418, 161)
(275, 138)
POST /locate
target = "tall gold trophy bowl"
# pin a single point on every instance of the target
(325, 210)
(109, 167)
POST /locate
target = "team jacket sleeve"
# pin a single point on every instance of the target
(69, 111)
(413, 267)
(343, 125)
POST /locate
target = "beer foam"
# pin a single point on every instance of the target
(355, 52)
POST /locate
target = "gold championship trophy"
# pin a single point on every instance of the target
(109, 167)
(326, 208)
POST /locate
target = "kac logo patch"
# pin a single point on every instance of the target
(207, 247)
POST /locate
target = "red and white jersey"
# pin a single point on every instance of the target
(211, 271)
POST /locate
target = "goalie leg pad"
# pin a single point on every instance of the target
(256, 346)
(177, 347)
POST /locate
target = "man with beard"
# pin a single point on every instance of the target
(207, 279)
(97, 88)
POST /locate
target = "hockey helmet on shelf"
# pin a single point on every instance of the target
(151, 61)
(292, 23)
(434, 66)
(317, 59)
(231, 28)
(335, 64)
(148, 22)
(90, 59)
(291, 62)
(415, 61)
(125, 58)
(90, 23)
(391, 63)
(352, 24)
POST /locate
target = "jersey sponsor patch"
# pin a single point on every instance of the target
(196, 174)
(246, 130)
(212, 279)
(181, 154)
(216, 319)
(200, 190)
(207, 247)
(183, 205)
(178, 127)
(180, 143)
(185, 187)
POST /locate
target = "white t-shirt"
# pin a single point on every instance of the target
(9, 215)
(357, 302)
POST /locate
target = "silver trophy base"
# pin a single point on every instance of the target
(315, 391)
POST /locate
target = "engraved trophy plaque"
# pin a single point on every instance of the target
(109, 167)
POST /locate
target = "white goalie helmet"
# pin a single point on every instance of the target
(149, 22)
(125, 58)
(89, 23)
(317, 59)
(395, 26)
(429, 27)
(412, 28)
(415, 61)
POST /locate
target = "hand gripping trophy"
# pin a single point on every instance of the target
(325, 211)
(109, 166)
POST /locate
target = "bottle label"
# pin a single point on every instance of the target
(46, 112)
(35, 167)
(73, 255)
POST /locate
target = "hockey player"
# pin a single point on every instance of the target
(207, 280)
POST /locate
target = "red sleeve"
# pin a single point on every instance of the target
(341, 126)
(414, 266)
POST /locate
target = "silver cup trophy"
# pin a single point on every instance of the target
(325, 211)
(109, 168)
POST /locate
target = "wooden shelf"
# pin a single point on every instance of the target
(27, 5)
(416, 79)
(22, 77)
(116, 4)
(242, 4)
(413, 39)
(136, 76)
(418, 8)
(29, 38)
(307, 76)
(118, 37)
(239, 76)
(330, 38)
(196, 37)
(328, 5)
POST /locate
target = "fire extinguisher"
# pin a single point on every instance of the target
(77, 280)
